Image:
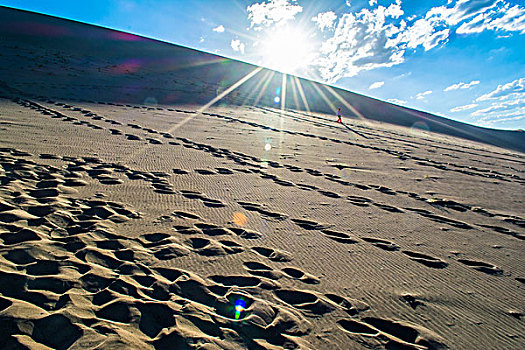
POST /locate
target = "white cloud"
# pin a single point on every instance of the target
(325, 20)
(376, 85)
(375, 38)
(508, 103)
(461, 85)
(396, 101)
(497, 107)
(462, 10)
(237, 46)
(380, 36)
(513, 116)
(503, 18)
(264, 14)
(219, 29)
(422, 95)
(477, 16)
(464, 108)
(423, 33)
(361, 41)
(502, 92)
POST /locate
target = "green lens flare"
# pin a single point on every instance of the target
(239, 308)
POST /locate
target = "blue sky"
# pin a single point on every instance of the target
(462, 59)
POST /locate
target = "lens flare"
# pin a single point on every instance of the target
(419, 128)
(240, 219)
(287, 49)
(240, 306)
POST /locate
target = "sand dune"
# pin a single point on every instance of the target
(129, 220)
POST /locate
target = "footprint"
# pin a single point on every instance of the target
(283, 182)
(306, 187)
(273, 254)
(359, 201)
(20, 235)
(259, 269)
(305, 301)
(208, 247)
(448, 204)
(330, 194)
(426, 260)
(388, 208)
(440, 219)
(212, 230)
(352, 307)
(504, 230)
(170, 251)
(180, 171)
(245, 233)
(358, 327)
(482, 266)
(309, 225)
(154, 141)
(396, 334)
(185, 215)
(265, 213)
(185, 230)
(237, 281)
(339, 236)
(411, 300)
(300, 275)
(380, 243)
(132, 137)
(154, 317)
(205, 172)
(212, 203)
(224, 171)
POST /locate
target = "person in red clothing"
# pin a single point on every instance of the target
(339, 115)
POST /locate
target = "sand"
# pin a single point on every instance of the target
(140, 225)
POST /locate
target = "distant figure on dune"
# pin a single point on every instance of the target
(339, 115)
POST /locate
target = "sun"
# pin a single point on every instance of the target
(286, 49)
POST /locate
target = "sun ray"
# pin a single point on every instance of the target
(283, 106)
(301, 93)
(230, 89)
(283, 92)
(265, 86)
(323, 96)
(344, 102)
(257, 87)
(294, 91)
(241, 81)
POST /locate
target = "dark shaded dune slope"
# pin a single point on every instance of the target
(55, 58)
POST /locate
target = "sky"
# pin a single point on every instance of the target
(460, 59)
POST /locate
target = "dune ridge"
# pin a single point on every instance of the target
(139, 222)
(119, 67)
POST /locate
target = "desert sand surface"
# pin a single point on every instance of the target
(136, 222)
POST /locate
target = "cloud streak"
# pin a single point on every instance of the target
(219, 29)
(422, 95)
(504, 91)
(464, 108)
(237, 46)
(376, 85)
(265, 14)
(462, 85)
(380, 37)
